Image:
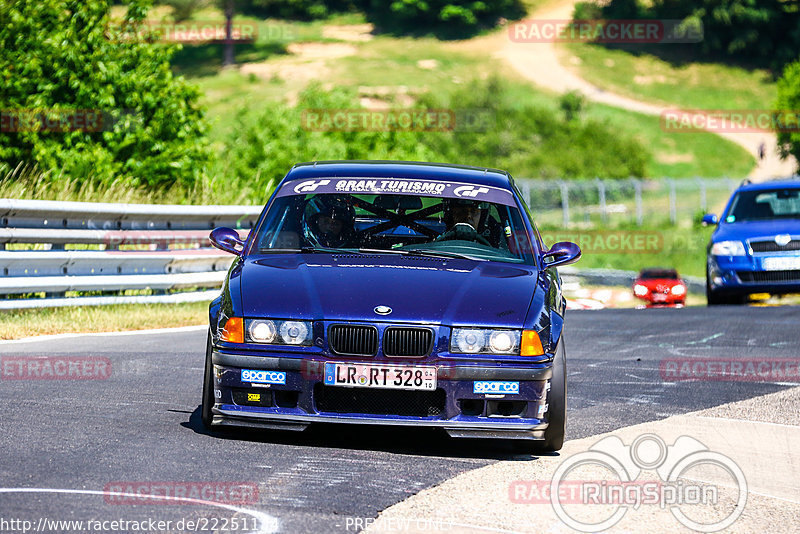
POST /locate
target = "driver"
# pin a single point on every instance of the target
(468, 220)
(332, 223)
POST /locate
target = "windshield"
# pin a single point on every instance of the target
(765, 205)
(656, 274)
(395, 224)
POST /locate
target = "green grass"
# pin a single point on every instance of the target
(690, 85)
(38, 322)
(27, 183)
(680, 154)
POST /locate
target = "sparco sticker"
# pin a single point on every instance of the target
(372, 186)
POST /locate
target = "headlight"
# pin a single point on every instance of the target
(468, 341)
(640, 291)
(275, 332)
(476, 341)
(262, 331)
(678, 290)
(294, 332)
(728, 248)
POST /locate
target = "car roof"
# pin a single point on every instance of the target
(771, 184)
(401, 169)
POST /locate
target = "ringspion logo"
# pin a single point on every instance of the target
(597, 504)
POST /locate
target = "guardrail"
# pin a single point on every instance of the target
(162, 248)
(615, 277)
(120, 247)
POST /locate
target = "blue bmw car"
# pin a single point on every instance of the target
(756, 245)
(392, 293)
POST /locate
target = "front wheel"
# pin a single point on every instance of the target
(208, 388)
(556, 410)
(557, 403)
(715, 299)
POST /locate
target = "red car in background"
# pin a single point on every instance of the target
(660, 287)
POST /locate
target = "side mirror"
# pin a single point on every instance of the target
(562, 253)
(710, 219)
(227, 240)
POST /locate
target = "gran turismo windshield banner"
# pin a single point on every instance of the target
(393, 186)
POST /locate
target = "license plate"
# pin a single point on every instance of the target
(659, 297)
(781, 264)
(380, 376)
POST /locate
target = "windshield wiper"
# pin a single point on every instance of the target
(442, 254)
(424, 252)
(328, 250)
(310, 250)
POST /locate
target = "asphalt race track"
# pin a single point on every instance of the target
(142, 424)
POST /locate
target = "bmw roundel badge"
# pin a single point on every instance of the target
(383, 310)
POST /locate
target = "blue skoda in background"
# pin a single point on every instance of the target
(392, 293)
(756, 245)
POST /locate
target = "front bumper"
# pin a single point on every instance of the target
(304, 398)
(746, 274)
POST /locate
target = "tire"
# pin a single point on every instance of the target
(208, 388)
(557, 404)
(715, 299)
(557, 410)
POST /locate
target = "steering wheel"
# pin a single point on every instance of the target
(464, 232)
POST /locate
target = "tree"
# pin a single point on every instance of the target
(228, 58)
(65, 58)
(787, 107)
(766, 32)
(448, 19)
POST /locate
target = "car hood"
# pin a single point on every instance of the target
(756, 229)
(653, 282)
(419, 290)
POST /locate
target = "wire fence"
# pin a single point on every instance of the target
(590, 203)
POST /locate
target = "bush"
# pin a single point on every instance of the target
(265, 145)
(531, 142)
(58, 57)
(789, 101)
(534, 142)
(572, 104)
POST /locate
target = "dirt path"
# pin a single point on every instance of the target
(539, 62)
